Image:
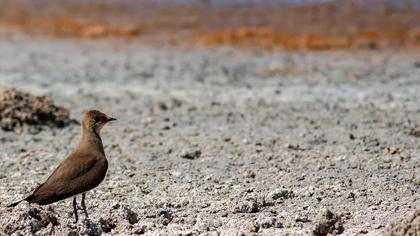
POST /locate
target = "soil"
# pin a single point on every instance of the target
(220, 141)
(20, 109)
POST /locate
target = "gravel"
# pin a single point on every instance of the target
(207, 144)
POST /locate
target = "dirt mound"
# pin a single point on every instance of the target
(18, 109)
(408, 226)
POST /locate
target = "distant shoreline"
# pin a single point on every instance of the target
(328, 25)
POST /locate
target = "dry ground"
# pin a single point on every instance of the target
(219, 141)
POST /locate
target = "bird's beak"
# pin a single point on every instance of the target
(110, 119)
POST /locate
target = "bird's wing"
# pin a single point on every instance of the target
(76, 174)
(72, 167)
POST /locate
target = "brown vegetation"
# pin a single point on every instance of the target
(335, 25)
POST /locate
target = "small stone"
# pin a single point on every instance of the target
(302, 219)
(227, 139)
(250, 174)
(90, 228)
(130, 215)
(72, 233)
(247, 206)
(107, 225)
(192, 108)
(415, 132)
(176, 102)
(165, 217)
(363, 231)
(276, 194)
(126, 213)
(328, 223)
(191, 155)
(292, 146)
(141, 230)
(269, 222)
(162, 106)
(392, 150)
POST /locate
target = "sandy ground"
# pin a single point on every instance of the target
(219, 141)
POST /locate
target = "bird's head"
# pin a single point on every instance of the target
(95, 120)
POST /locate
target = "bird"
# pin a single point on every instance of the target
(84, 169)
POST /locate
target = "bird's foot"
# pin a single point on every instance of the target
(76, 219)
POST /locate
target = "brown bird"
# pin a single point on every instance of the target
(82, 170)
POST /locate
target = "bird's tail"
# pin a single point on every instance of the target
(15, 203)
(28, 199)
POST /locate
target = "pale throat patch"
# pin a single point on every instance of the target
(98, 128)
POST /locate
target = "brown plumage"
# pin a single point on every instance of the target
(82, 170)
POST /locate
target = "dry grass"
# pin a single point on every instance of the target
(340, 24)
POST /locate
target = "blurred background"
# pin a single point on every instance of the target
(267, 24)
(234, 117)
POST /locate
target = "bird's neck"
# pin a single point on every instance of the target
(91, 139)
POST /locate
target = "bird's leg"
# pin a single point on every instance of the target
(84, 205)
(75, 209)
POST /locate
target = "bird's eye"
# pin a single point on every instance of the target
(96, 119)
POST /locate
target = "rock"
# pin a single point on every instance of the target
(126, 213)
(176, 102)
(303, 219)
(405, 227)
(250, 174)
(241, 226)
(165, 217)
(247, 206)
(292, 146)
(162, 105)
(276, 194)
(205, 224)
(72, 233)
(227, 139)
(392, 150)
(328, 223)
(141, 230)
(90, 228)
(18, 109)
(268, 222)
(107, 224)
(191, 155)
(415, 132)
